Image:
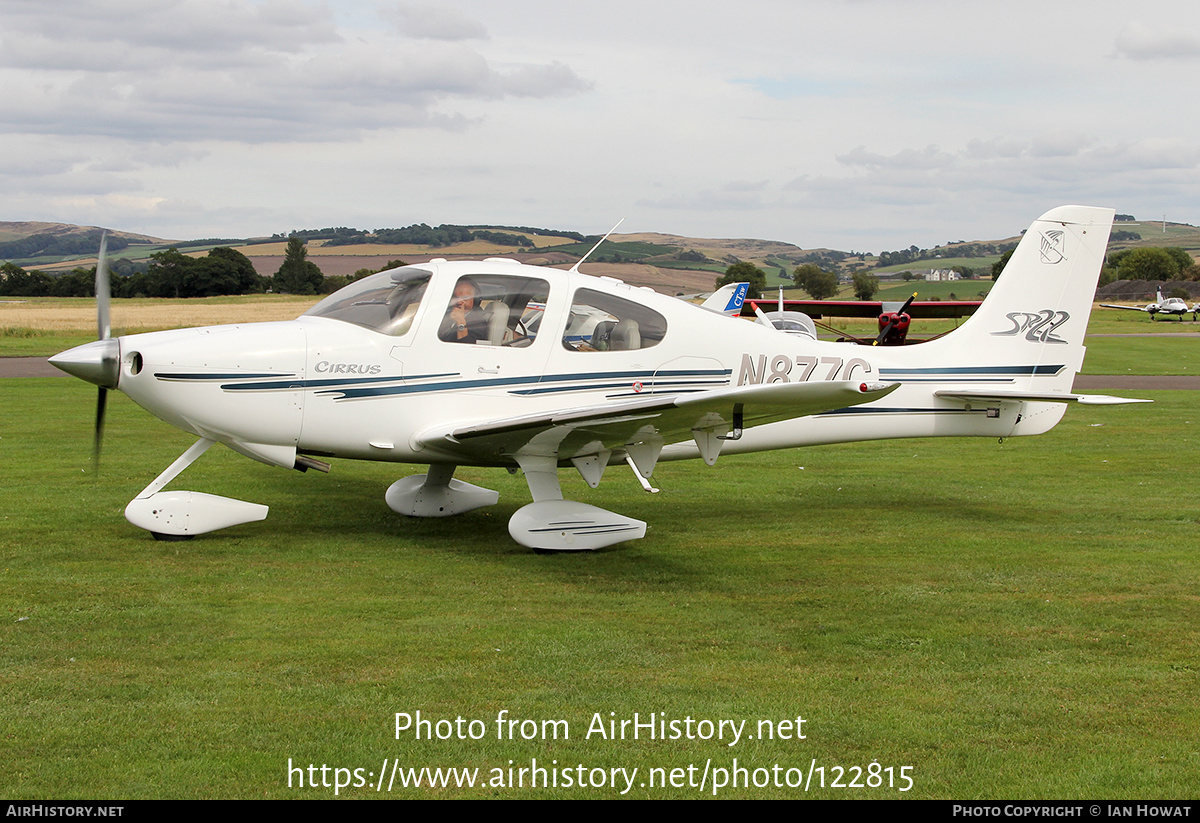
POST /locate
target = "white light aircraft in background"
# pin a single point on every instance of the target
(482, 364)
(1171, 305)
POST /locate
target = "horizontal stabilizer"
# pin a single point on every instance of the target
(1107, 400)
(1053, 397)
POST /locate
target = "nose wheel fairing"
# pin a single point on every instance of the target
(178, 515)
(183, 514)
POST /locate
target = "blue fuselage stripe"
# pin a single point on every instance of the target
(970, 371)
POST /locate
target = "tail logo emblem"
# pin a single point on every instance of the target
(1038, 326)
(1052, 247)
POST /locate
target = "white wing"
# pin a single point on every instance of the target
(706, 417)
(1129, 308)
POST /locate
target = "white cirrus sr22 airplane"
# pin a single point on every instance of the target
(495, 363)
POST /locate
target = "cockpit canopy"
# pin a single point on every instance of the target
(496, 308)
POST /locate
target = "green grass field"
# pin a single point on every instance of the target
(901, 290)
(962, 289)
(1023, 627)
(1009, 620)
(982, 266)
(1142, 355)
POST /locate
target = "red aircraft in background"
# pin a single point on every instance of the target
(798, 316)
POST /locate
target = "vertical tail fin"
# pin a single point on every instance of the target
(728, 299)
(1030, 328)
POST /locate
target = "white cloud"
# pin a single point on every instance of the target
(278, 71)
(1138, 42)
(436, 22)
(930, 157)
(1057, 144)
(145, 35)
(918, 121)
(541, 81)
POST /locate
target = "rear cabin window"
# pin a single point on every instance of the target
(602, 322)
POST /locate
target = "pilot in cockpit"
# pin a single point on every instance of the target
(464, 322)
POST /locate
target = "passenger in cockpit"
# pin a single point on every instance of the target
(464, 322)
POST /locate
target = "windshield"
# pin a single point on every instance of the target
(385, 302)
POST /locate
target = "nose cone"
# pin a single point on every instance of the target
(97, 362)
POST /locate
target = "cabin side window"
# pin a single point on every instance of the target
(603, 322)
(495, 310)
(386, 302)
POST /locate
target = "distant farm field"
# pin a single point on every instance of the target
(982, 266)
(150, 314)
(43, 326)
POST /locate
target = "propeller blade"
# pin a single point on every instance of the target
(97, 362)
(104, 331)
(103, 291)
(101, 406)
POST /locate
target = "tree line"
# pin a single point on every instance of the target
(422, 234)
(59, 245)
(1151, 263)
(1144, 263)
(169, 273)
(914, 254)
(820, 283)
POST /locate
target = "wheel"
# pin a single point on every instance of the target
(172, 538)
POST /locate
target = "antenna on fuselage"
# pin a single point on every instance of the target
(575, 268)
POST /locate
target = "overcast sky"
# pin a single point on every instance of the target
(854, 124)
